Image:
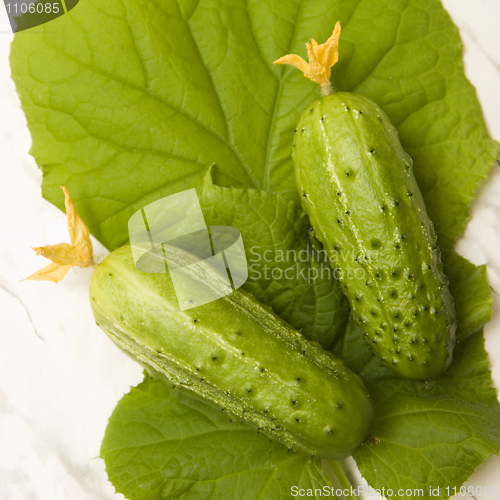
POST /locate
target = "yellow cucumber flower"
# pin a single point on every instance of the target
(321, 59)
(64, 255)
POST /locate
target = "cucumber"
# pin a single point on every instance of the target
(357, 186)
(233, 353)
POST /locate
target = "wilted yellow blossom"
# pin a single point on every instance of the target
(64, 255)
(321, 59)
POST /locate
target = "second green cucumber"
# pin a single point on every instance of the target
(233, 353)
(357, 186)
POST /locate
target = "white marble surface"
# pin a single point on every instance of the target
(60, 377)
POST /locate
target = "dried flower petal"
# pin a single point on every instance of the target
(53, 272)
(64, 255)
(321, 59)
(78, 231)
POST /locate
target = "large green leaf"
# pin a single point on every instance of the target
(130, 100)
(160, 444)
(285, 272)
(469, 286)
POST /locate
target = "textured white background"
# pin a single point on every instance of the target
(60, 377)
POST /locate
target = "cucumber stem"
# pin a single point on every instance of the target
(326, 89)
(339, 472)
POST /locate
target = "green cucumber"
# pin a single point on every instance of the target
(233, 353)
(357, 186)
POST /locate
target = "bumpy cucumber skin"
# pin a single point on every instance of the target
(357, 186)
(234, 354)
